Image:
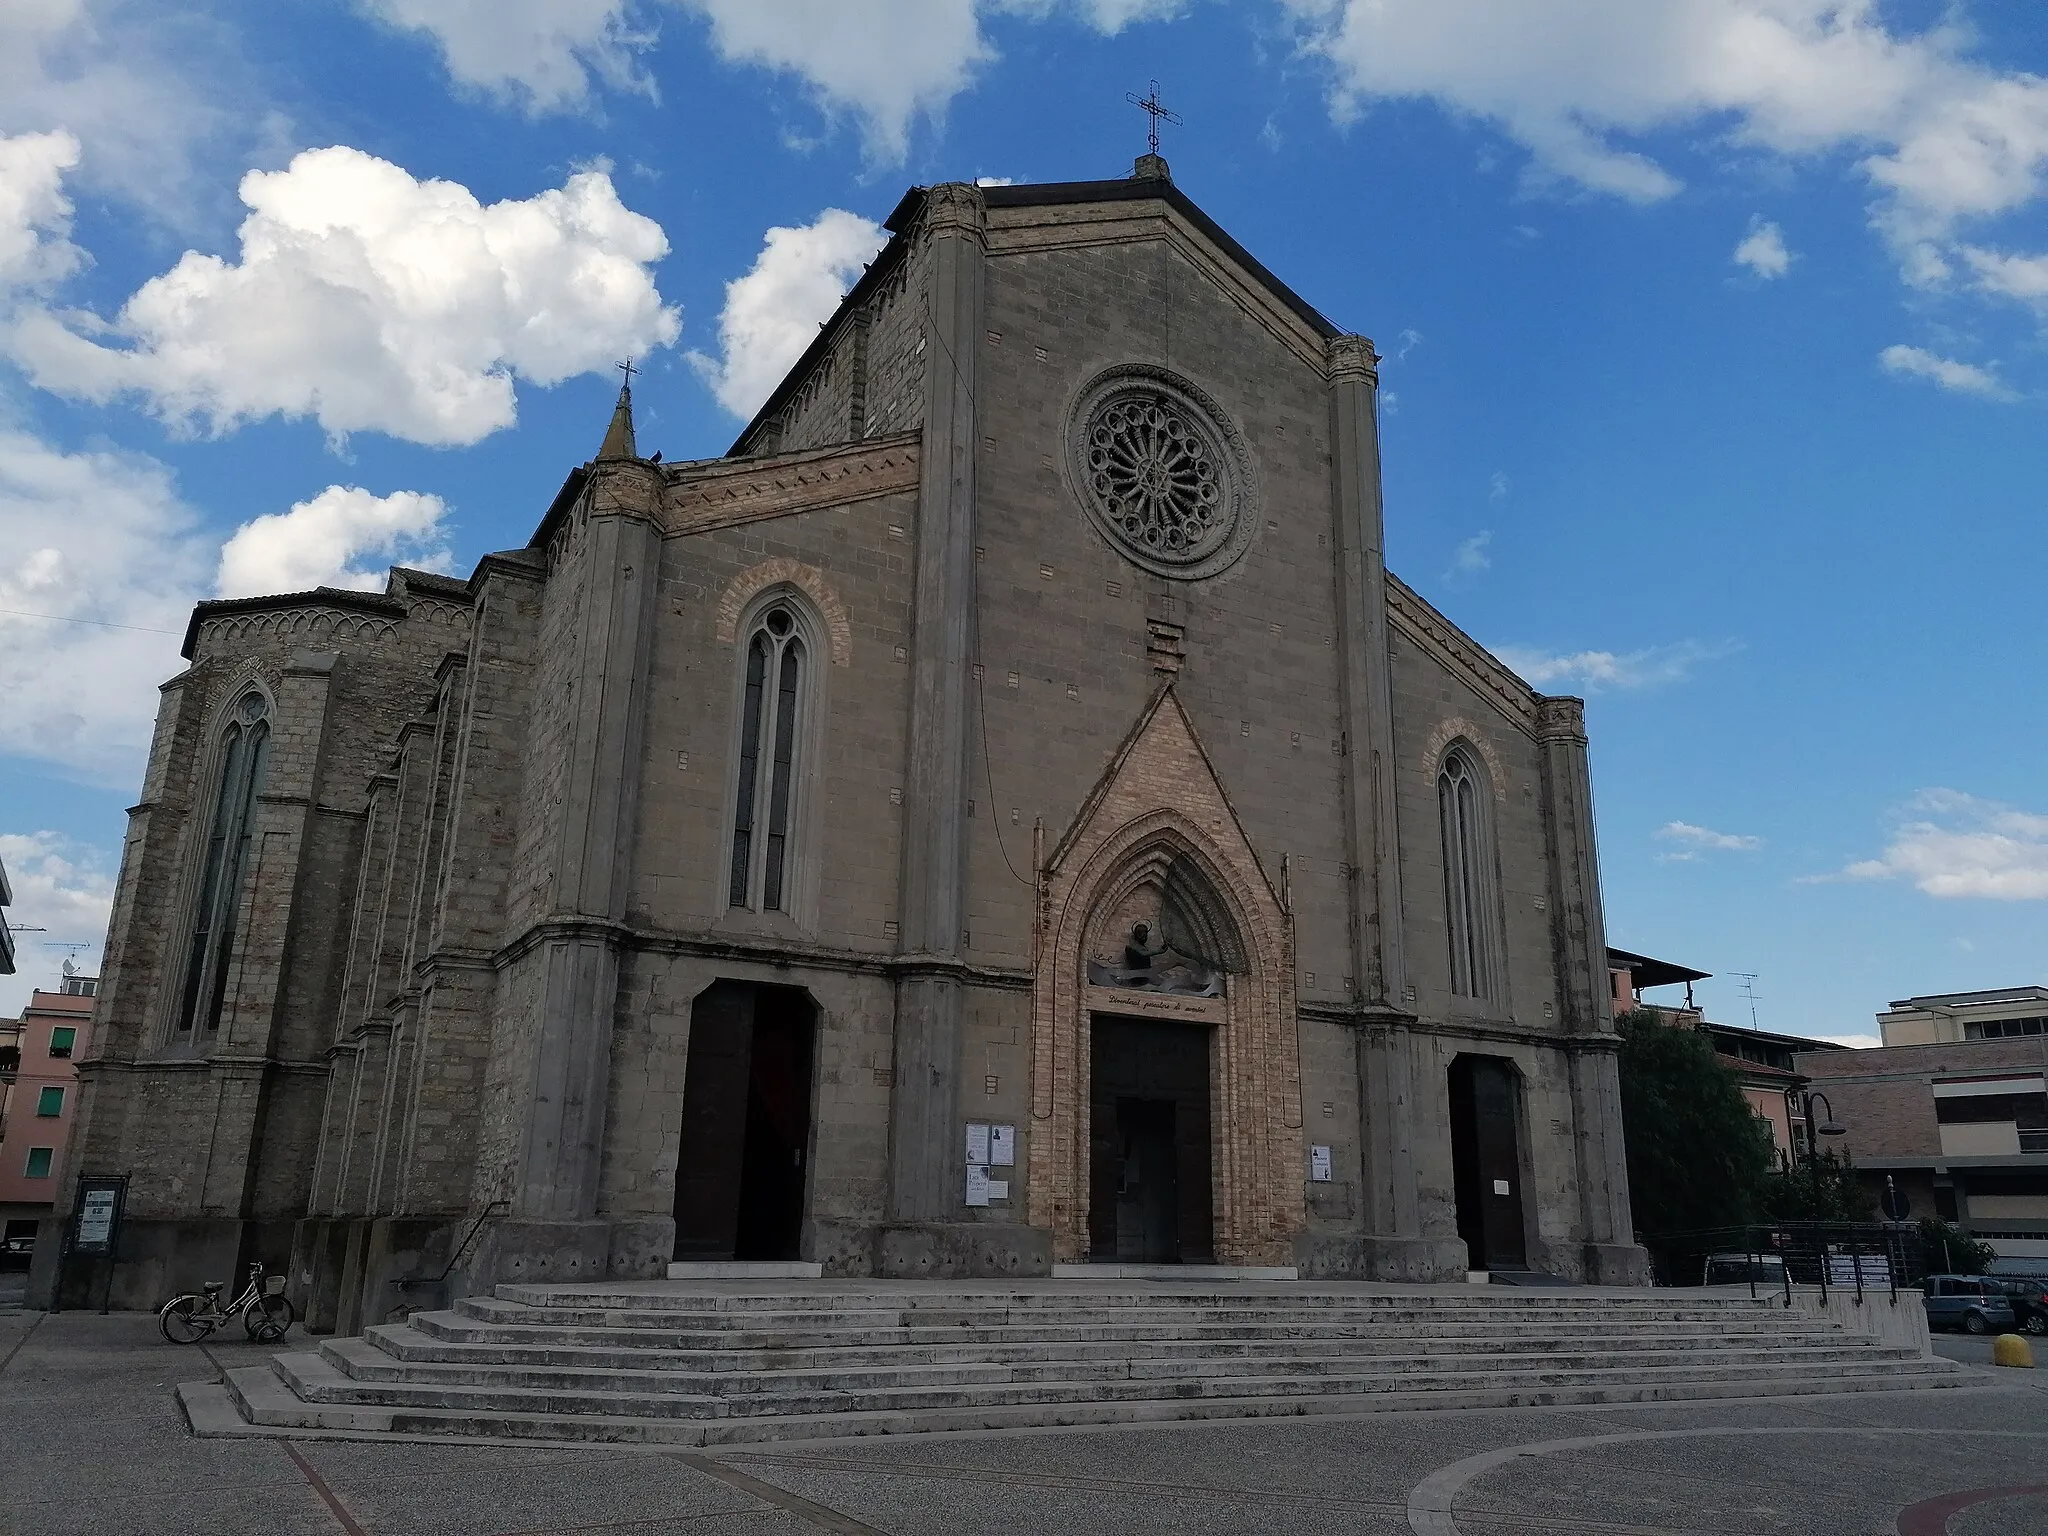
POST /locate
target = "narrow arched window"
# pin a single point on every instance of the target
(1468, 870)
(770, 740)
(243, 756)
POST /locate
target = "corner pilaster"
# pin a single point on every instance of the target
(561, 1145)
(1365, 677)
(923, 1179)
(1579, 940)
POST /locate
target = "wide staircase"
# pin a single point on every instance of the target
(705, 1364)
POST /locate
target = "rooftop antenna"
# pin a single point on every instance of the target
(1748, 980)
(1152, 107)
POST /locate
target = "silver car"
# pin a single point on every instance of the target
(1969, 1302)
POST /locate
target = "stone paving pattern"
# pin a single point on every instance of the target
(96, 1444)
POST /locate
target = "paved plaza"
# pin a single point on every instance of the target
(96, 1443)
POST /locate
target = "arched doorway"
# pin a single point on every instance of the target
(1486, 1161)
(742, 1167)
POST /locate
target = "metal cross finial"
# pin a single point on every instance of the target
(1150, 105)
(627, 369)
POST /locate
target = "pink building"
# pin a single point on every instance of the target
(37, 1100)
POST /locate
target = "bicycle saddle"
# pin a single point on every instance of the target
(213, 1287)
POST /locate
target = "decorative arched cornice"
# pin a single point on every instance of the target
(752, 582)
(1158, 803)
(1453, 731)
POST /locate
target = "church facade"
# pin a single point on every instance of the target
(1002, 814)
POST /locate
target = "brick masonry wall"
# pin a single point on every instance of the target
(862, 554)
(1066, 613)
(202, 1137)
(1886, 1098)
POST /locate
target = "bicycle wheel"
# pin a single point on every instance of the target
(185, 1319)
(267, 1318)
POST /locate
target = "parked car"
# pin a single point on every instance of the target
(1969, 1302)
(2028, 1297)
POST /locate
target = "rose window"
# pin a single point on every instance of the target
(1155, 475)
(1161, 471)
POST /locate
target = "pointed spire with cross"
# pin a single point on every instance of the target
(618, 437)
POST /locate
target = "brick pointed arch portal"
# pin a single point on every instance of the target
(1160, 801)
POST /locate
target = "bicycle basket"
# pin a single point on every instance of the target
(273, 1285)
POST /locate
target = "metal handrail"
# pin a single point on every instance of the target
(414, 1279)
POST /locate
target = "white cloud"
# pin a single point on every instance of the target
(537, 53)
(101, 543)
(1610, 669)
(1763, 250)
(1689, 836)
(887, 62)
(1964, 378)
(1497, 487)
(35, 215)
(1949, 844)
(1108, 17)
(2012, 277)
(64, 887)
(1471, 557)
(1405, 343)
(1582, 85)
(319, 543)
(774, 311)
(150, 91)
(371, 301)
(1853, 1042)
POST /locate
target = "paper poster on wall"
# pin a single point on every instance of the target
(977, 1143)
(1319, 1165)
(1500, 1186)
(977, 1184)
(999, 1189)
(1002, 1145)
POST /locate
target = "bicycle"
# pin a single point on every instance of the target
(265, 1310)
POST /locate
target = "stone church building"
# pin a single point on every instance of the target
(1002, 814)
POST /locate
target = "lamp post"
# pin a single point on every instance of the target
(1799, 1101)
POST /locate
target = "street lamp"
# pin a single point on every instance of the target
(1799, 1101)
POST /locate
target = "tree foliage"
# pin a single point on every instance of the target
(1698, 1156)
(1821, 1188)
(1945, 1251)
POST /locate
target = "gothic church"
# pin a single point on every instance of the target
(1002, 815)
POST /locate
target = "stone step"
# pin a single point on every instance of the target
(314, 1379)
(832, 1299)
(430, 1338)
(263, 1405)
(485, 1309)
(621, 1330)
(363, 1360)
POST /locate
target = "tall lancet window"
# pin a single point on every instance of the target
(770, 740)
(243, 756)
(1463, 810)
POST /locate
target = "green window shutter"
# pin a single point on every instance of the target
(39, 1162)
(50, 1102)
(62, 1039)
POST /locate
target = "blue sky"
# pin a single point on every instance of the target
(1714, 379)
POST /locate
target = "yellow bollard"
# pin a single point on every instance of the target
(2011, 1349)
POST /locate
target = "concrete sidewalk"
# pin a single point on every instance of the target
(96, 1443)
